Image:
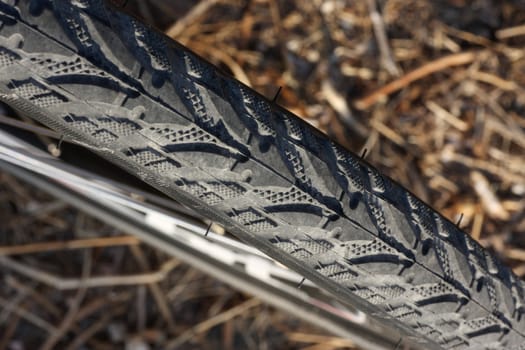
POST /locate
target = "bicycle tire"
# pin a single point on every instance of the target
(151, 106)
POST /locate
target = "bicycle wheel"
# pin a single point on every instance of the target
(159, 111)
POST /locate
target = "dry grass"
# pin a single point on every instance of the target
(72, 282)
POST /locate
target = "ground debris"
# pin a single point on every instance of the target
(61, 290)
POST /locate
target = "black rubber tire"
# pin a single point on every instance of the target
(154, 108)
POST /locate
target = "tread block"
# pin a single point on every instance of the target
(254, 112)
(278, 197)
(489, 324)
(119, 126)
(253, 219)
(436, 293)
(362, 252)
(7, 58)
(349, 170)
(150, 158)
(104, 136)
(337, 271)
(391, 291)
(405, 312)
(75, 70)
(36, 92)
(369, 295)
(85, 124)
(214, 192)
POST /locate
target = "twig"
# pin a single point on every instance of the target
(154, 288)
(69, 245)
(516, 254)
(28, 316)
(35, 296)
(29, 127)
(97, 304)
(9, 331)
(14, 302)
(43, 210)
(18, 189)
(519, 270)
(141, 308)
(320, 347)
(447, 116)
(510, 32)
(467, 36)
(275, 15)
(488, 198)
(378, 125)
(387, 132)
(95, 328)
(513, 163)
(51, 146)
(228, 335)
(494, 80)
(212, 322)
(182, 285)
(70, 316)
(218, 305)
(382, 39)
(319, 338)
(417, 74)
(197, 11)
(340, 105)
(477, 225)
(91, 282)
(512, 132)
(278, 32)
(448, 155)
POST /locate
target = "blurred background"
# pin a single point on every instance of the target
(430, 92)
